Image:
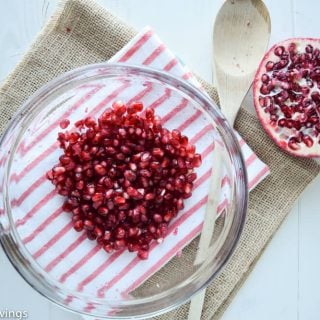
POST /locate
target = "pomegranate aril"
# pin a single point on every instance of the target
(157, 218)
(158, 152)
(98, 232)
(103, 211)
(88, 225)
(78, 225)
(109, 248)
(119, 200)
(143, 254)
(197, 160)
(307, 141)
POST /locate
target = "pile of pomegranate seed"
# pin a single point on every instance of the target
(124, 176)
(287, 95)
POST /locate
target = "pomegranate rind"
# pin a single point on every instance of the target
(303, 151)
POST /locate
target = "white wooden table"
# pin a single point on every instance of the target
(284, 284)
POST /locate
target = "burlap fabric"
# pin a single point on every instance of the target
(81, 32)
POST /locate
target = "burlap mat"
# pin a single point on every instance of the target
(81, 32)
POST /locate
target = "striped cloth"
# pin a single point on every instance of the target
(47, 232)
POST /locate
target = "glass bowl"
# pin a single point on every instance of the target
(61, 263)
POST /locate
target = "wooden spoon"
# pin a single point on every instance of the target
(240, 38)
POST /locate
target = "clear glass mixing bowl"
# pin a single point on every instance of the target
(70, 270)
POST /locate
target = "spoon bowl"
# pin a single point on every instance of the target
(240, 38)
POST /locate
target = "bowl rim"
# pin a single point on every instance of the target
(56, 84)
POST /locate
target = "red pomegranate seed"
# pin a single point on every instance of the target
(120, 233)
(157, 218)
(119, 244)
(97, 197)
(88, 225)
(64, 123)
(109, 248)
(197, 160)
(78, 225)
(119, 200)
(117, 171)
(158, 152)
(98, 232)
(143, 254)
(103, 211)
(100, 170)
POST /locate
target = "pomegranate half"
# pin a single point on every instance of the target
(287, 95)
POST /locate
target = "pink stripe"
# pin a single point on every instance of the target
(242, 142)
(202, 132)
(79, 264)
(68, 299)
(34, 163)
(136, 260)
(90, 306)
(160, 262)
(43, 225)
(140, 95)
(154, 54)
(109, 98)
(251, 159)
(202, 179)
(99, 270)
(35, 185)
(4, 158)
(31, 213)
(56, 123)
(195, 116)
(162, 99)
(52, 241)
(222, 205)
(207, 150)
(258, 177)
(187, 75)
(145, 37)
(225, 181)
(174, 111)
(170, 65)
(65, 253)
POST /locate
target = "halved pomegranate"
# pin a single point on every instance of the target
(287, 95)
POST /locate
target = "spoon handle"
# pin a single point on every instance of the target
(232, 90)
(196, 304)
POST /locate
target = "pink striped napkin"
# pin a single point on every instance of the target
(47, 231)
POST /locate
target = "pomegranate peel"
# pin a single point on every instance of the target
(287, 95)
